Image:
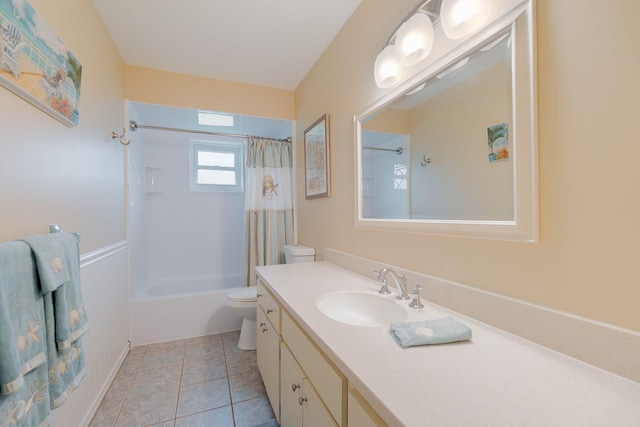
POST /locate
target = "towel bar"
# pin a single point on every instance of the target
(55, 228)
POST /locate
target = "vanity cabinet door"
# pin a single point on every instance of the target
(360, 413)
(268, 355)
(291, 377)
(300, 404)
(314, 413)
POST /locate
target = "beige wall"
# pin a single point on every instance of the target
(71, 176)
(460, 182)
(586, 260)
(179, 90)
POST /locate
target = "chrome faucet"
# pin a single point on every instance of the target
(401, 282)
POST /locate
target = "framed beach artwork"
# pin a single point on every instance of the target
(498, 142)
(316, 159)
(36, 65)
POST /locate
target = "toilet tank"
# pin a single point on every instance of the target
(298, 253)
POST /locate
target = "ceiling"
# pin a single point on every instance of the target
(271, 43)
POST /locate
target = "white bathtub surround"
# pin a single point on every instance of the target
(496, 378)
(182, 308)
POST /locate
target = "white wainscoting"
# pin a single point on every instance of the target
(106, 299)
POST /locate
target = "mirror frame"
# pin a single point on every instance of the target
(524, 227)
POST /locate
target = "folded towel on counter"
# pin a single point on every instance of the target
(438, 331)
(22, 336)
(58, 260)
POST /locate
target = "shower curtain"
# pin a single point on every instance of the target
(268, 204)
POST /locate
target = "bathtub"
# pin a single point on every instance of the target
(182, 308)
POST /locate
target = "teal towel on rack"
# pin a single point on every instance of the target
(24, 397)
(49, 251)
(64, 313)
(438, 331)
(22, 337)
(66, 365)
(58, 260)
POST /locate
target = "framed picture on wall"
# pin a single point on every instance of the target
(316, 159)
(36, 65)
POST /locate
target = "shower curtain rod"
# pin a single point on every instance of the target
(398, 150)
(135, 126)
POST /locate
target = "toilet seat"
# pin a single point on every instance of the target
(248, 294)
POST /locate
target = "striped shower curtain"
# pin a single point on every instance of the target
(268, 204)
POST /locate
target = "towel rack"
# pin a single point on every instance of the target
(55, 228)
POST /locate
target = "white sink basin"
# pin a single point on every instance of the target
(360, 309)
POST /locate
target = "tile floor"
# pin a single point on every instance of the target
(197, 382)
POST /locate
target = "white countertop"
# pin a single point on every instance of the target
(494, 379)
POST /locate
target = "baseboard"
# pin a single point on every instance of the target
(105, 387)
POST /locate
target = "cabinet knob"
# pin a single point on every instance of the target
(294, 387)
(269, 311)
(262, 324)
(301, 400)
(259, 295)
(264, 330)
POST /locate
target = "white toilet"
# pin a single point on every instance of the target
(245, 301)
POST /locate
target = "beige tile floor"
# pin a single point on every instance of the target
(197, 382)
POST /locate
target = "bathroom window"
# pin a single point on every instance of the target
(400, 176)
(216, 166)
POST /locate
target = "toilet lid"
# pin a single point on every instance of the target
(245, 294)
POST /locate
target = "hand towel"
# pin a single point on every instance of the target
(49, 251)
(438, 331)
(66, 365)
(22, 337)
(58, 261)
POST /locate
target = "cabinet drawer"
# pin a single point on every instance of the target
(329, 383)
(269, 305)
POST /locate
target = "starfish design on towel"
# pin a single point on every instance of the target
(32, 335)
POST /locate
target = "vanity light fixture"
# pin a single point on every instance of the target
(412, 40)
(460, 18)
(387, 68)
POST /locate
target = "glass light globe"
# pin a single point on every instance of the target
(414, 40)
(386, 69)
(460, 18)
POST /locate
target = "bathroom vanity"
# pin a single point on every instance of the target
(322, 372)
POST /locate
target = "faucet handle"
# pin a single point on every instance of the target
(415, 302)
(384, 290)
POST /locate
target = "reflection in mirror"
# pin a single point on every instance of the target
(451, 149)
(460, 121)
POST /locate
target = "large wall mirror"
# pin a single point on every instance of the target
(452, 149)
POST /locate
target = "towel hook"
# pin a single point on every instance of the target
(120, 137)
(425, 160)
